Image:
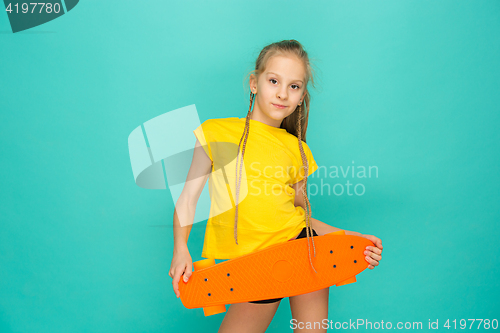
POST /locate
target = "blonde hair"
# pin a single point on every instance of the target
(295, 123)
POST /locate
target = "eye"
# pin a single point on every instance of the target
(293, 85)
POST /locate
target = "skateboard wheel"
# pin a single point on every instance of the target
(347, 281)
(212, 310)
(200, 264)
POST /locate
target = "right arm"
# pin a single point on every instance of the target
(184, 212)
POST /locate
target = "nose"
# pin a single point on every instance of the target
(282, 93)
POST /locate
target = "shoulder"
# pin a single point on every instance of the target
(292, 140)
(307, 150)
(215, 123)
(219, 129)
(305, 146)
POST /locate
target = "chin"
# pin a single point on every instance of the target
(277, 115)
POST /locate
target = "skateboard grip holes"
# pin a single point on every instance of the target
(334, 266)
(231, 289)
(331, 251)
(206, 279)
(355, 261)
(228, 274)
(282, 270)
(209, 294)
(352, 246)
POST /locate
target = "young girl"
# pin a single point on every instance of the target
(258, 169)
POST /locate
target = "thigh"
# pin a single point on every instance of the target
(311, 307)
(248, 317)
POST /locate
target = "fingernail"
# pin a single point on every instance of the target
(185, 279)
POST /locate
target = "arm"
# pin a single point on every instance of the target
(184, 212)
(320, 227)
(185, 207)
(373, 253)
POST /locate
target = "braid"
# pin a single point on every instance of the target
(296, 123)
(238, 183)
(304, 187)
(305, 162)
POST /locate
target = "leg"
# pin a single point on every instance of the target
(248, 317)
(309, 310)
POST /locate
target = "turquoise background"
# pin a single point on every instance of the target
(411, 87)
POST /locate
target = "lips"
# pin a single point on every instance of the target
(279, 106)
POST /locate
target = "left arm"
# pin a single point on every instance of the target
(373, 254)
(321, 228)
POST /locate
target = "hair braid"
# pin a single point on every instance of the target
(238, 180)
(295, 124)
(303, 188)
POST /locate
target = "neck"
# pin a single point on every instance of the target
(260, 116)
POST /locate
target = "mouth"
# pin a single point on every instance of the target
(279, 106)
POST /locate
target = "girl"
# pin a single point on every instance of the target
(268, 151)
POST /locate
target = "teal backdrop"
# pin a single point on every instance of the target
(410, 88)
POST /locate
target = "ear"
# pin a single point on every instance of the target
(253, 83)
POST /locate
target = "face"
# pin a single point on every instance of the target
(281, 83)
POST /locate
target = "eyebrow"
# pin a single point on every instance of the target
(280, 76)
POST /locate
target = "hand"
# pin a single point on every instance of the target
(181, 263)
(373, 254)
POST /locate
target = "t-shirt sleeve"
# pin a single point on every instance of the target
(312, 164)
(205, 134)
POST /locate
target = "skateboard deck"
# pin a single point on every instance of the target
(280, 270)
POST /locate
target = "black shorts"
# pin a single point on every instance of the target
(303, 234)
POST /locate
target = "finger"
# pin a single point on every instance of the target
(189, 271)
(175, 281)
(375, 256)
(376, 241)
(371, 261)
(374, 253)
(175, 285)
(375, 250)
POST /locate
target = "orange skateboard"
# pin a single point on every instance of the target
(280, 270)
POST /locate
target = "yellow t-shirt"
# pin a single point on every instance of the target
(266, 212)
